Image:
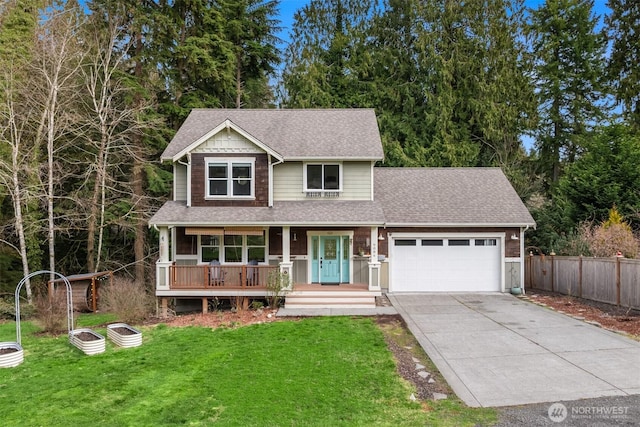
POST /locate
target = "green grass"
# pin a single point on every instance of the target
(315, 372)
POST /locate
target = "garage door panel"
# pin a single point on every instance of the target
(446, 268)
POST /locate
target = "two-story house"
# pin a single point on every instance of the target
(298, 191)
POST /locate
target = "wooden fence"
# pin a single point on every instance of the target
(610, 280)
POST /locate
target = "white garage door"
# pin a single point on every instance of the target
(435, 264)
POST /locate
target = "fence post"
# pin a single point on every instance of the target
(618, 280)
(580, 277)
(553, 278)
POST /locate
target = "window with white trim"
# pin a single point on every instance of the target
(323, 177)
(233, 248)
(229, 178)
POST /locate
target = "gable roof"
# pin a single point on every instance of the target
(448, 197)
(304, 134)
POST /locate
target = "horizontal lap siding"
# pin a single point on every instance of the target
(288, 181)
(180, 185)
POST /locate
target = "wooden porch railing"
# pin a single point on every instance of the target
(220, 277)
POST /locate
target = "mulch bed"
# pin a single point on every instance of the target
(615, 318)
(8, 350)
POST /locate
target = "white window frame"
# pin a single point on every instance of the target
(245, 250)
(230, 161)
(322, 190)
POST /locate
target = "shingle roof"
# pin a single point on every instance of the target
(403, 196)
(448, 196)
(316, 212)
(294, 134)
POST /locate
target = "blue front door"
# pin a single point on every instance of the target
(330, 259)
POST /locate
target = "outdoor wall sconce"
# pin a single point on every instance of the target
(295, 237)
(514, 237)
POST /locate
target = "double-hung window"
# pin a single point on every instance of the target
(323, 177)
(230, 178)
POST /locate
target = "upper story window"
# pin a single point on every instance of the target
(230, 178)
(323, 177)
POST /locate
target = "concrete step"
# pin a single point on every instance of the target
(330, 301)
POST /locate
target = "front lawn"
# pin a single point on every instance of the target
(314, 372)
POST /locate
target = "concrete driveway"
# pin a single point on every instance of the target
(497, 350)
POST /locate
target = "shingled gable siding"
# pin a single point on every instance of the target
(511, 250)
(198, 181)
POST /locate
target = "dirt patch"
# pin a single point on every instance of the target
(222, 318)
(8, 350)
(615, 318)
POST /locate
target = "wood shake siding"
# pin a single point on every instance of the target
(261, 181)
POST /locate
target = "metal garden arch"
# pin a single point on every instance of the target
(69, 302)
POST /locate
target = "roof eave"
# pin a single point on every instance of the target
(459, 225)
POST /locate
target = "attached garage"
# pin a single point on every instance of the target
(446, 263)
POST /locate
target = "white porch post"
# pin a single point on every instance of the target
(286, 266)
(163, 263)
(374, 264)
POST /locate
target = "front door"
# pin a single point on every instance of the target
(330, 259)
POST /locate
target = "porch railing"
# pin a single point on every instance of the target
(219, 276)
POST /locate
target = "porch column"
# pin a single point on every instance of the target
(163, 263)
(286, 266)
(374, 264)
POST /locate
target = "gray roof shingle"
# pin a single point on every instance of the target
(403, 196)
(316, 212)
(294, 134)
(448, 196)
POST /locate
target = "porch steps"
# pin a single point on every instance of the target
(330, 299)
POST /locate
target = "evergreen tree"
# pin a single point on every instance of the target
(326, 64)
(623, 25)
(570, 58)
(250, 27)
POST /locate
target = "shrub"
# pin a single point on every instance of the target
(277, 283)
(611, 236)
(51, 310)
(127, 299)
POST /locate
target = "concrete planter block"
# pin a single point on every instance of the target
(11, 354)
(87, 340)
(124, 335)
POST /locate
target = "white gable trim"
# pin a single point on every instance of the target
(227, 124)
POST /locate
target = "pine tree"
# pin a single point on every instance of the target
(326, 63)
(623, 25)
(570, 58)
